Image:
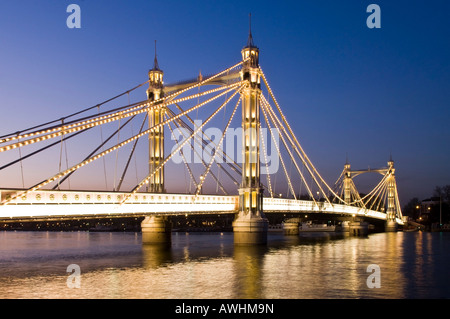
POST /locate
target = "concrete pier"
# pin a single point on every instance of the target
(391, 226)
(156, 230)
(291, 226)
(250, 230)
(358, 228)
(345, 226)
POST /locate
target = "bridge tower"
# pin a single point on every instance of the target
(156, 137)
(250, 225)
(391, 213)
(347, 183)
(156, 229)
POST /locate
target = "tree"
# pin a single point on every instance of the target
(443, 191)
(442, 210)
(412, 208)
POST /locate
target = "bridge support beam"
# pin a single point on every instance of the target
(156, 230)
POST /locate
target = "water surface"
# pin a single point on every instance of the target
(210, 266)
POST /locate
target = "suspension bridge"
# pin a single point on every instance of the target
(174, 133)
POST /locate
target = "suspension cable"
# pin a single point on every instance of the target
(374, 190)
(145, 180)
(266, 106)
(183, 157)
(231, 163)
(397, 201)
(266, 162)
(38, 151)
(103, 159)
(280, 124)
(279, 153)
(290, 130)
(7, 137)
(21, 168)
(199, 155)
(76, 113)
(185, 125)
(117, 159)
(100, 155)
(60, 153)
(131, 154)
(144, 107)
(205, 174)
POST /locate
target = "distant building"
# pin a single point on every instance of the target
(426, 207)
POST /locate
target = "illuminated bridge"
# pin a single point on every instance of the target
(184, 134)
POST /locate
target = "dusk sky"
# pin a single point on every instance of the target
(347, 90)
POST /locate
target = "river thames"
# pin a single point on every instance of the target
(116, 265)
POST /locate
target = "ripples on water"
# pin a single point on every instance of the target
(209, 265)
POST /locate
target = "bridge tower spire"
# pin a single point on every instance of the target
(156, 137)
(250, 225)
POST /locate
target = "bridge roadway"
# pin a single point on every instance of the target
(48, 204)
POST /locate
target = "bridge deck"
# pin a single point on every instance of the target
(47, 203)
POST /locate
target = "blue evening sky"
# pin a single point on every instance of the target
(346, 89)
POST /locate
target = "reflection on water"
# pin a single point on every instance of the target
(248, 264)
(209, 265)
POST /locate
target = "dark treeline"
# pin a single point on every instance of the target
(433, 210)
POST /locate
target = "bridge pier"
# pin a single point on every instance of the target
(156, 230)
(345, 226)
(358, 228)
(291, 226)
(391, 226)
(250, 230)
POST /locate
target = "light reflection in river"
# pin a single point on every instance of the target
(209, 265)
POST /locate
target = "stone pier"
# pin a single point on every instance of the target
(291, 226)
(358, 228)
(250, 230)
(391, 226)
(156, 230)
